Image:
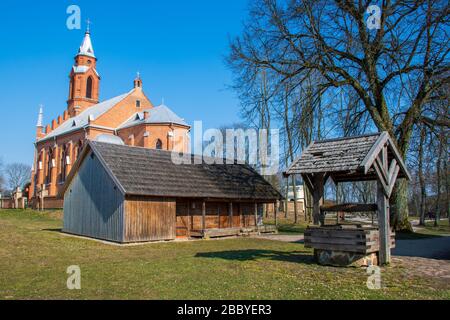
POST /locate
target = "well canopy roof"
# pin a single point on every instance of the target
(347, 158)
(149, 172)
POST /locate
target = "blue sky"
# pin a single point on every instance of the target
(178, 47)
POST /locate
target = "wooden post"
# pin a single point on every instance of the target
(286, 199)
(189, 217)
(317, 196)
(275, 211)
(230, 214)
(383, 225)
(256, 214)
(203, 215)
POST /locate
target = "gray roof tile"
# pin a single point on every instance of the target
(151, 172)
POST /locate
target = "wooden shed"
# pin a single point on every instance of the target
(360, 158)
(131, 194)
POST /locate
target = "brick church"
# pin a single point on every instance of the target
(130, 119)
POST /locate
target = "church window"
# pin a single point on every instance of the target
(48, 178)
(138, 103)
(158, 144)
(63, 163)
(89, 88)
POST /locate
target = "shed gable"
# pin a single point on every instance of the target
(93, 204)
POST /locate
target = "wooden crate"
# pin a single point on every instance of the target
(364, 240)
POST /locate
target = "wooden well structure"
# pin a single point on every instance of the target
(359, 158)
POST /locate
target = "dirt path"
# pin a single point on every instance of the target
(432, 248)
(283, 237)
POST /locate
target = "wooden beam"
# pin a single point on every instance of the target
(374, 151)
(275, 211)
(203, 215)
(189, 216)
(349, 207)
(399, 159)
(392, 169)
(383, 173)
(381, 179)
(230, 214)
(393, 179)
(256, 213)
(383, 225)
(317, 196)
(306, 178)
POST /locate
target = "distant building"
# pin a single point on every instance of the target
(300, 194)
(131, 118)
(300, 198)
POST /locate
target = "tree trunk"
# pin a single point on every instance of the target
(423, 194)
(399, 207)
(437, 216)
(294, 186)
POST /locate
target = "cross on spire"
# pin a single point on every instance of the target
(88, 25)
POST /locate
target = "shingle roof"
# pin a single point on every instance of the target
(343, 157)
(332, 155)
(150, 172)
(81, 120)
(159, 114)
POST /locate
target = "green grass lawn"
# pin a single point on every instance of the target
(442, 228)
(287, 226)
(34, 256)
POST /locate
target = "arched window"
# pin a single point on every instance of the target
(63, 163)
(158, 144)
(89, 87)
(48, 177)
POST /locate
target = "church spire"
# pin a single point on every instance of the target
(40, 121)
(84, 79)
(86, 46)
(138, 80)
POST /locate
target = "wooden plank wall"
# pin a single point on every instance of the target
(93, 205)
(149, 219)
(217, 215)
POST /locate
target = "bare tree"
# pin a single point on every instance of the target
(2, 177)
(394, 71)
(423, 192)
(17, 174)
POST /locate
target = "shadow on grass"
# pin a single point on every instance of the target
(59, 230)
(415, 236)
(253, 254)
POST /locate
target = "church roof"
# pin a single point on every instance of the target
(82, 119)
(159, 114)
(86, 46)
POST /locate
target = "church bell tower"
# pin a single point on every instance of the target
(84, 79)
